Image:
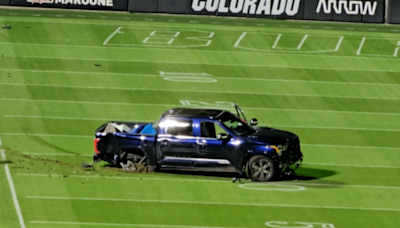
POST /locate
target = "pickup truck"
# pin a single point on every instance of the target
(200, 140)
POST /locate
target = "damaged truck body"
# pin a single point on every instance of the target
(200, 140)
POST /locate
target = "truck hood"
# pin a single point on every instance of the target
(272, 136)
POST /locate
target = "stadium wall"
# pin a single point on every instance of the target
(367, 11)
(5, 2)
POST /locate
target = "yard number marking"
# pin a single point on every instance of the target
(281, 224)
(218, 104)
(167, 36)
(187, 77)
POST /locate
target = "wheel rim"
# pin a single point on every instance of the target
(261, 169)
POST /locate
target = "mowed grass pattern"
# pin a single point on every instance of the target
(336, 85)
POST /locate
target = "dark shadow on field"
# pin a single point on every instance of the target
(312, 178)
(305, 177)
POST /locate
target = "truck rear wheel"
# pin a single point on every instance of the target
(133, 161)
(260, 168)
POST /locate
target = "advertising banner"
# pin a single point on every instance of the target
(375, 15)
(394, 12)
(73, 4)
(5, 2)
(172, 6)
(345, 10)
(250, 8)
(147, 6)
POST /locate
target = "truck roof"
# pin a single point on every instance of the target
(192, 112)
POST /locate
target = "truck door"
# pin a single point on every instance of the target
(176, 144)
(219, 152)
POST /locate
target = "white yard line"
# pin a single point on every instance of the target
(47, 135)
(125, 178)
(111, 36)
(205, 91)
(350, 165)
(210, 64)
(354, 147)
(169, 105)
(335, 128)
(339, 43)
(276, 41)
(361, 45)
(215, 203)
(302, 42)
(161, 73)
(240, 39)
(13, 192)
(122, 224)
(280, 126)
(55, 154)
(396, 50)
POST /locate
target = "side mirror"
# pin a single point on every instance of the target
(223, 136)
(253, 121)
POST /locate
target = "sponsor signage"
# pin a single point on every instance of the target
(345, 10)
(74, 4)
(246, 7)
(107, 3)
(347, 7)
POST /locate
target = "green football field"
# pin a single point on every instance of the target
(64, 73)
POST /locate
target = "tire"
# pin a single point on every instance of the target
(260, 168)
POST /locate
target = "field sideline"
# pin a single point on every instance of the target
(64, 73)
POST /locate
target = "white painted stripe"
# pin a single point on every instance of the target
(55, 154)
(47, 135)
(126, 178)
(361, 45)
(276, 41)
(111, 36)
(144, 178)
(275, 126)
(337, 128)
(352, 147)
(240, 39)
(65, 118)
(339, 43)
(13, 192)
(198, 91)
(350, 165)
(302, 42)
(123, 224)
(213, 63)
(396, 52)
(169, 105)
(215, 203)
(202, 74)
(219, 161)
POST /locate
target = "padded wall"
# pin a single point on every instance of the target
(173, 6)
(147, 6)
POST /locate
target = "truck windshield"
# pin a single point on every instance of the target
(235, 124)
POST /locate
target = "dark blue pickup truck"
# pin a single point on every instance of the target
(201, 140)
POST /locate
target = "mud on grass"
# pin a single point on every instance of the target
(40, 165)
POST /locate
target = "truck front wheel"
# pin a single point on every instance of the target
(260, 168)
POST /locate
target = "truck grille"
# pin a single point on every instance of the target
(292, 153)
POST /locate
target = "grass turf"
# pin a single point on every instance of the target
(334, 84)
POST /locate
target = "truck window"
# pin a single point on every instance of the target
(179, 128)
(210, 129)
